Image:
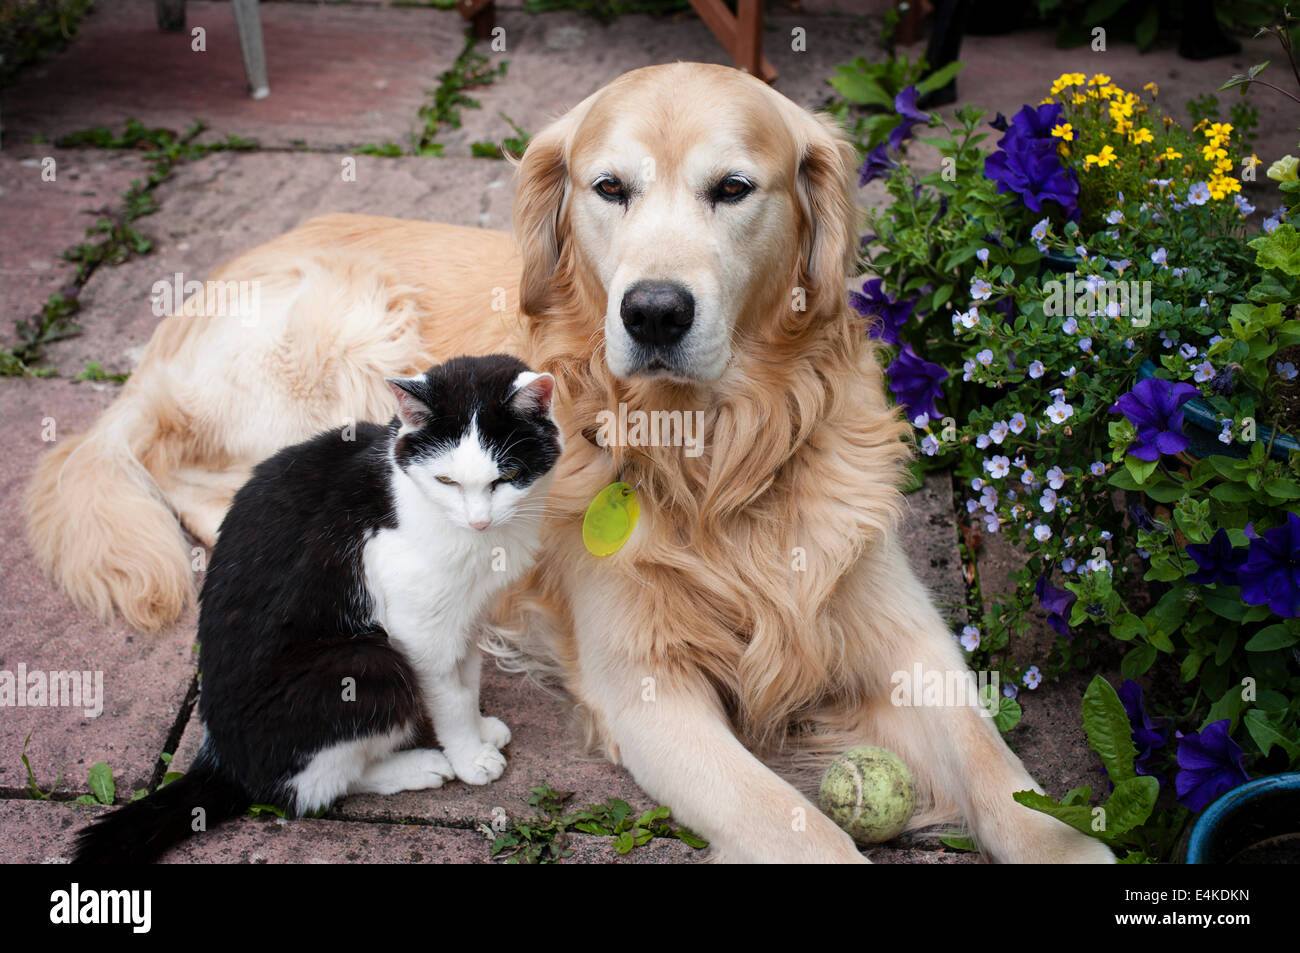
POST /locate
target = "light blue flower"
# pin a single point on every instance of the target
(1114, 217)
(1068, 564)
(1018, 422)
(1204, 371)
(1042, 532)
(983, 256)
(1243, 206)
(1048, 500)
(1085, 344)
(998, 432)
(981, 289)
(1056, 478)
(1159, 255)
(1036, 369)
(1070, 325)
(1286, 371)
(1032, 678)
(970, 638)
(985, 357)
(929, 445)
(1198, 194)
(1098, 468)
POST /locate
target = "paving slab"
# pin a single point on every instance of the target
(48, 198)
(144, 678)
(44, 833)
(220, 206)
(557, 59)
(368, 66)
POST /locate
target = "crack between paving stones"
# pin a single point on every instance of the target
(173, 740)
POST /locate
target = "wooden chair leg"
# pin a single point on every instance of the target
(741, 34)
(248, 24)
(170, 15)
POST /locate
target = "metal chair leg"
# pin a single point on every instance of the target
(248, 23)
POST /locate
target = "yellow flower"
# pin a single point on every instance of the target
(1219, 130)
(1100, 79)
(1142, 135)
(1064, 131)
(1101, 159)
(1223, 166)
(1155, 90)
(1284, 169)
(1078, 99)
(1221, 186)
(1067, 79)
(1122, 126)
(1169, 153)
(1212, 152)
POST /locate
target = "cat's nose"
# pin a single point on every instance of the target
(480, 525)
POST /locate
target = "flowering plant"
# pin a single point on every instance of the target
(1053, 335)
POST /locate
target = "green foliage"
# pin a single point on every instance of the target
(95, 372)
(513, 146)
(448, 98)
(32, 787)
(32, 30)
(1117, 820)
(865, 107)
(541, 839)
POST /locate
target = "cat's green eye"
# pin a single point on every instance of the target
(448, 481)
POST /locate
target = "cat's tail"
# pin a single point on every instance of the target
(99, 525)
(141, 831)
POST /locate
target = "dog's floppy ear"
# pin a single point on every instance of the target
(543, 175)
(829, 249)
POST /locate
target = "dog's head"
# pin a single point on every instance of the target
(686, 202)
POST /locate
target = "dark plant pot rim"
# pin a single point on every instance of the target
(1201, 416)
(1212, 822)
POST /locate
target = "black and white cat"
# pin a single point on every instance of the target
(341, 604)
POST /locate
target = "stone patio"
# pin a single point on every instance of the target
(343, 75)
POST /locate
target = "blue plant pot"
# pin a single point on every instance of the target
(1203, 430)
(1058, 262)
(1258, 822)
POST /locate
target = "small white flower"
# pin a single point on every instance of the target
(1042, 532)
(998, 467)
(982, 441)
(1028, 478)
(983, 256)
(1204, 372)
(921, 421)
(985, 357)
(1085, 344)
(1036, 369)
(1056, 478)
(1198, 194)
(970, 638)
(1159, 256)
(929, 445)
(998, 432)
(1039, 231)
(981, 289)
(1068, 564)
(1243, 206)
(1070, 325)
(1286, 371)
(1059, 412)
(1188, 351)
(1114, 217)
(1018, 423)
(1048, 500)
(1098, 468)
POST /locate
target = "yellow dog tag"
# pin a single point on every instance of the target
(610, 519)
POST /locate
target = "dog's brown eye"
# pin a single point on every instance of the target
(611, 188)
(732, 188)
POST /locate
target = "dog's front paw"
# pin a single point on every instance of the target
(480, 766)
(493, 731)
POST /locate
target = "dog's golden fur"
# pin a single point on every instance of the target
(763, 602)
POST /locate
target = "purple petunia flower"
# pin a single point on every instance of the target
(1027, 162)
(1271, 572)
(905, 106)
(915, 382)
(1153, 406)
(1146, 736)
(1217, 559)
(1057, 602)
(877, 166)
(1210, 763)
(876, 302)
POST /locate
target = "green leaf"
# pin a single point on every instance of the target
(1130, 804)
(958, 840)
(1266, 734)
(1229, 706)
(1274, 637)
(1078, 816)
(1227, 606)
(939, 78)
(1108, 729)
(101, 783)
(1141, 470)
(1137, 660)
(690, 838)
(1280, 250)
(1127, 627)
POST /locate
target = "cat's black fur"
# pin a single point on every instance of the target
(285, 615)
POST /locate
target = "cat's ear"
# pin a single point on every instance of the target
(532, 392)
(411, 407)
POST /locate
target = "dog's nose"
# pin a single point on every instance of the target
(657, 313)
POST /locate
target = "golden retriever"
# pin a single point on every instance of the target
(682, 239)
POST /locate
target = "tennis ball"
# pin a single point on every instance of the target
(869, 793)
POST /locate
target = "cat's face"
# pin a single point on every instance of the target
(478, 438)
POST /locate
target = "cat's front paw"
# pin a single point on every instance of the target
(493, 731)
(481, 766)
